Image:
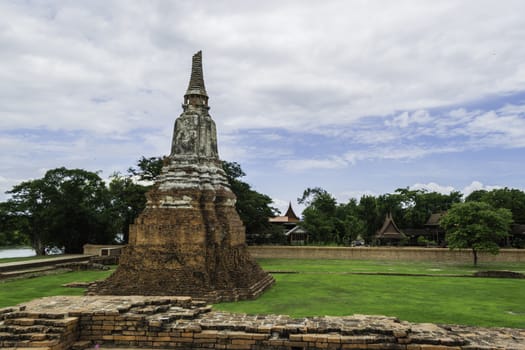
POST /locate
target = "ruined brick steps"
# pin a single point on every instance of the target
(17, 273)
(253, 292)
(51, 261)
(20, 329)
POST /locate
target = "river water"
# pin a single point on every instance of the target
(7, 252)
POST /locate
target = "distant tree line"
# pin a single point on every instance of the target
(330, 222)
(71, 207)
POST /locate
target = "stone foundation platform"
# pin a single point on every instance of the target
(59, 323)
(214, 274)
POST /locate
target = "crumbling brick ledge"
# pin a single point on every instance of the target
(60, 323)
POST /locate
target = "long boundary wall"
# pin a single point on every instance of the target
(384, 253)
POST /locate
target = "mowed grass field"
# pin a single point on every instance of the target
(326, 287)
(18, 290)
(329, 287)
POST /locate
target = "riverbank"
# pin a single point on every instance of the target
(16, 252)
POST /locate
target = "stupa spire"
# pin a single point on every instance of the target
(195, 132)
(189, 239)
(196, 94)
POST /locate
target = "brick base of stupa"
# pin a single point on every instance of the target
(213, 274)
(187, 242)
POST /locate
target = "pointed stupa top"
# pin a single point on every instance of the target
(196, 86)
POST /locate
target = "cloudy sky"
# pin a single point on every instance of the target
(352, 96)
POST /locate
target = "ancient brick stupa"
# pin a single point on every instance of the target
(189, 240)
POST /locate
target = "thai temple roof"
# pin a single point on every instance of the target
(289, 216)
(389, 229)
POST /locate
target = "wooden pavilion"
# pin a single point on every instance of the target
(295, 234)
(389, 233)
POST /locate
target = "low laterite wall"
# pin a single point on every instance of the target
(384, 253)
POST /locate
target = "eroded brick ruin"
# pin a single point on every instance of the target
(180, 323)
(189, 240)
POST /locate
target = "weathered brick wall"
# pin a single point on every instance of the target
(182, 323)
(383, 253)
(187, 242)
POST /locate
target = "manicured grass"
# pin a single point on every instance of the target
(482, 302)
(324, 287)
(413, 267)
(453, 300)
(17, 291)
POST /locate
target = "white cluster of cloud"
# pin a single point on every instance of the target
(412, 135)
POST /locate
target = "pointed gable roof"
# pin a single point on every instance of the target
(434, 218)
(288, 217)
(389, 229)
(290, 213)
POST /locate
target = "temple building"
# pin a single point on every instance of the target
(289, 219)
(295, 234)
(389, 234)
(189, 240)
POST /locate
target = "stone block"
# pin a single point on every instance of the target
(238, 346)
(321, 345)
(333, 339)
(437, 347)
(353, 346)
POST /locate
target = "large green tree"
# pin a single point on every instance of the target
(418, 205)
(348, 224)
(127, 202)
(254, 208)
(328, 222)
(9, 234)
(477, 226)
(412, 208)
(509, 198)
(319, 215)
(147, 169)
(65, 208)
(368, 213)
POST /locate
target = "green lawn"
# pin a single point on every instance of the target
(17, 291)
(324, 287)
(473, 301)
(341, 266)
(452, 300)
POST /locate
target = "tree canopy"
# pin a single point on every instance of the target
(66, 208)
(254, 208)
(71, 207)
(147, 169)
(476, 226)
(329, 222)
(512, 199)
(127, 202)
